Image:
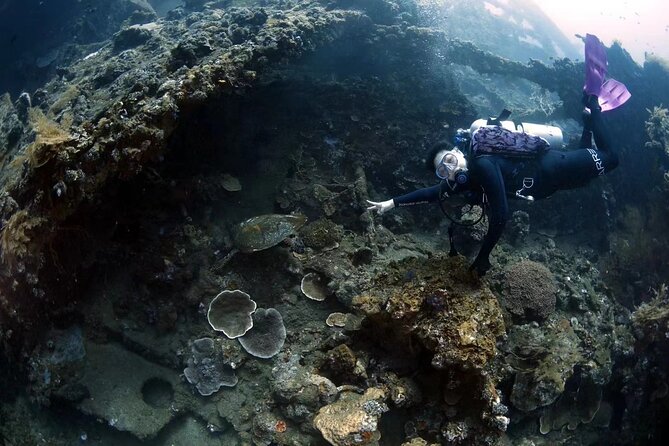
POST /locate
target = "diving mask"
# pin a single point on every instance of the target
(451, 165)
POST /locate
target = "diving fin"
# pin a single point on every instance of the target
(613, 94)
(595, 64)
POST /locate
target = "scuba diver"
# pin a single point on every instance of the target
(499, 159)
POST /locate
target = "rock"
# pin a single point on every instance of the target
(404, 392)
(134, 35)
(128, 392)
(265, 426)
(187, 52)
(235, 408)
(67, 347)
(191, 431)
(230, 183)
(353, 418)
(72, 393)
(56, 365)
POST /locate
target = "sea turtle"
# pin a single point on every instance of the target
(262, 232)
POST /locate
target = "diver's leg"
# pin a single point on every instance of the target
(602, 138)
(586, 117)
(607, 153)
(586, 135)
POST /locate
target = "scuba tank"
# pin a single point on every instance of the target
(552, 134)
(497, 136)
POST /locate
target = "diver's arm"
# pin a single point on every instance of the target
(420, 196)
(490, 178)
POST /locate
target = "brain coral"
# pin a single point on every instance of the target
(528, 291)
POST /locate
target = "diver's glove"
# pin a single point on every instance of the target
(480, 266)
(381, 206)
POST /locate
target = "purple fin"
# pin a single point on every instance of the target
(613, 94)
(595, 64)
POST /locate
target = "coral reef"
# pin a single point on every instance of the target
(231, 312)
(353, 418)
(117, 131)
(449, 312)
(418, 442)
(336, 319)
(18, 240)
(651, 319)
(207, 368)
(456, 321)
(267, 336)
(643, 379)
(301, 391)
(544, 360)
(529, 291)
(343, 365)
(637, 246)
(314, 286)
(580, 405)
(322, 234)
(518, 227)
(657, 129)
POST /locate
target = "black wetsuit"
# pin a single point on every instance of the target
(500, 177)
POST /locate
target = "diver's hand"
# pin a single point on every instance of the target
(381, 206)
(480, 266)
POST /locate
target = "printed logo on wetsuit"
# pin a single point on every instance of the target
(599, 164)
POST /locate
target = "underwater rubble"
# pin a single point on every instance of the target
(187, 258)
